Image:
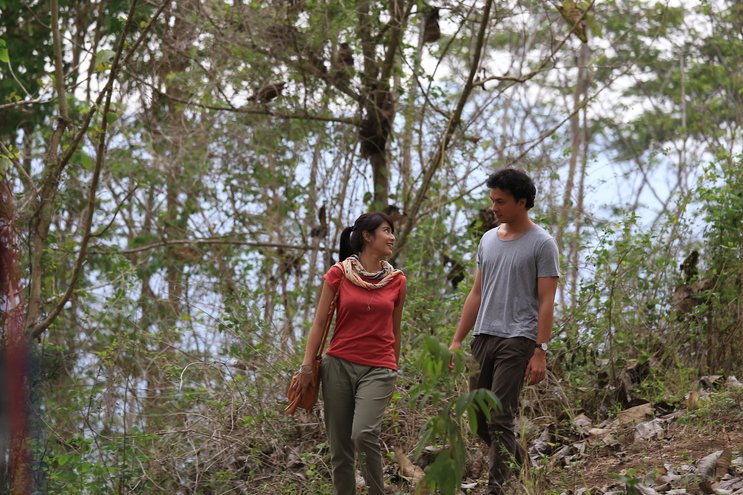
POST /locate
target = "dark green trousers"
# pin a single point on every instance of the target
(503, 364)
(354, 399)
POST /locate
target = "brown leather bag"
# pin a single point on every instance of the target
(308, 399)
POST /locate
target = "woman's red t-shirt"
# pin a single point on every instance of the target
(363, 326)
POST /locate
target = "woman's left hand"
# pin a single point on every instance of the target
(305, 379)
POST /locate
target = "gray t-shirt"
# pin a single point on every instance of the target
(509, 272)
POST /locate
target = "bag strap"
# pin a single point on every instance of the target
(329, 319)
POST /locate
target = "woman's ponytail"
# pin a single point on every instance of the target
(345, 245)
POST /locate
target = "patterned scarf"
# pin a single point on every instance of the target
(354, 271)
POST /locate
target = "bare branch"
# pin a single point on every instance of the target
(526, 77)
(116, 212)
(224, 241)
(22, 103)
(27, 180)
(451, 126)
(537, 141)
(58, 66)
(249, 111)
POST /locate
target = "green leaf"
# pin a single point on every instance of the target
(85, 160)
(3, 52)
(440, 473)
(103, 59)
(472, 419)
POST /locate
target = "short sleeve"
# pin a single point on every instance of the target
(479, 254)
(333, 276)
(400, 289)
(548, 260)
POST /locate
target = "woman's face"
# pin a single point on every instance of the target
(381, 241)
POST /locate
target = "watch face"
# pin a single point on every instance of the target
(542, 346)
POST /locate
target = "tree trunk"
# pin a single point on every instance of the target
(567, 207)
(579, 214)
(379, 108)
(406, 166)
(15, 347)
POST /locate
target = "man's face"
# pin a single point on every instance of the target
(505, 206)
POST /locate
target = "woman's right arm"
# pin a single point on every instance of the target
(315, 336)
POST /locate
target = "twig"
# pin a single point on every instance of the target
(534, 144)
(6, 106)
(27, 180)
(223, 241)
(526, 77)
(249, 111)
(116, 212)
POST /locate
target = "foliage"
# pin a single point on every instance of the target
(629, 480)
(721, 312)
(445, 428)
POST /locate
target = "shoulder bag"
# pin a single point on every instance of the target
(308, 399)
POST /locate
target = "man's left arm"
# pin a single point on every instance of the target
(546, 289)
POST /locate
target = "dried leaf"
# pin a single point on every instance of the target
(732, 485)
(598, 432)
(723, 463)
(649, 430)
(583, 424)
(711, 381)
(407, 468)
(707, 466)
(542, 445)
(692, 401)
(635, 415)
(646, 490)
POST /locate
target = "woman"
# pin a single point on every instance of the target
(359, 368)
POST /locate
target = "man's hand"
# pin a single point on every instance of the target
(537, 368)
(452, 347)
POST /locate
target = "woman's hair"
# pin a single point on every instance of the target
(352, 238)
(516, 182)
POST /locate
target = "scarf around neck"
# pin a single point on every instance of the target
(354, 271)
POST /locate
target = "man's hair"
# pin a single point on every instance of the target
(516, 182)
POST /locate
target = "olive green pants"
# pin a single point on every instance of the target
(354, 399)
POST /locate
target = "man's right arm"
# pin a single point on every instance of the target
(469, 313)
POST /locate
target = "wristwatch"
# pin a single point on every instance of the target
(542, 346)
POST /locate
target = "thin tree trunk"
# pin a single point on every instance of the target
(379, 105)
(406, 165)
(575, 153)
(579, 214)
(172, 148)
(15, 346)
(45, 208)
(322, 232)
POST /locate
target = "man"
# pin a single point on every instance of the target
(511, 307)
